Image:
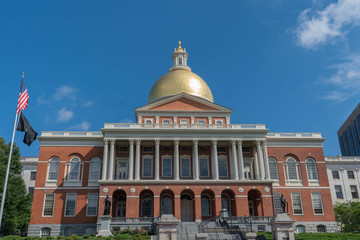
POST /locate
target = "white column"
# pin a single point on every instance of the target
(357, 176)
(157, 121)
(266, 161)
(105, 160)
(260, 160)
(332, 187)
(234, 160)
(137, 160)
(240, 160)
(176, 159)
(256, 164)
(131, 159)
(112, 157)
(157, 159)
(195, 160)
(346, 186)
(215, 172)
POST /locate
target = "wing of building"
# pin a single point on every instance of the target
(184, 157)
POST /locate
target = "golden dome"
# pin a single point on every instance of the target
(180, 81)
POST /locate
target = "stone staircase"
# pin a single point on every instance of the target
(188, 231)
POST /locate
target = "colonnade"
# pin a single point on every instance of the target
(260, 163)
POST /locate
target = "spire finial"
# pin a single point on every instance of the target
(179, 48)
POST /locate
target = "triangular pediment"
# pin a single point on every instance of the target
(183, 102)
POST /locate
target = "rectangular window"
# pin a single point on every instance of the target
(32, 175)
(221, 149)
(247, 170)
(296, 203)
(122, 170)
(147, 167)
(354, 192)
(122, 149)
(277, 202)
(204, 167)
(335, 174)
(223, 168)
(246, 149)
(185, 167)
(165, 122)
(31, 190)
(49, 205)
(184, 122)
(351, 174)
(148, 149)
(338, 191)
(92, 202)
(201, 122)
(45, 232)
(70, 204)
(317, 203)
(166, 167)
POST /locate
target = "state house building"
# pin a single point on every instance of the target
(184, 157)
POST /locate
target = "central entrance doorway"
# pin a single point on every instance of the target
(187, 208)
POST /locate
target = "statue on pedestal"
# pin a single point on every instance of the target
(284, 204)
(107, 204)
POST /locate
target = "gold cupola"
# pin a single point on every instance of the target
(180, 79)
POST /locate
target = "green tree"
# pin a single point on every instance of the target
(348, 216)
(17, 208)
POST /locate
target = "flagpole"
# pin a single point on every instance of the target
(8, 168)
(7, 172)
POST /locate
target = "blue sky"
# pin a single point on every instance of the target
(292, 65)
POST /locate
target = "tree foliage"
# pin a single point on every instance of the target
(17, 206)
(348, 216)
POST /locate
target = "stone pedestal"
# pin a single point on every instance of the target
(250, 236)
(105, 230)
(167, 227)
(282, 227)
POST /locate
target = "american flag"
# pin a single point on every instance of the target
(23, 98)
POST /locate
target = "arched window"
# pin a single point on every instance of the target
(53, 169)
(292, 170)
(205, 205)
(94, 174)
(166, 204)
(146, 205)
(45, 232)
(321, 228)
(300, 228)
(273, 169)
(225, 202)
(311, 169)
(74, 172)
(180, 61)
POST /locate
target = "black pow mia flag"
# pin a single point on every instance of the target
(24, 126)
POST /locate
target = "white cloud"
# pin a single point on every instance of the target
(87, 103)
(346, 79)
(42, 100)
(65, 92)
(64, 115)
(320, 27)
(81, 126)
